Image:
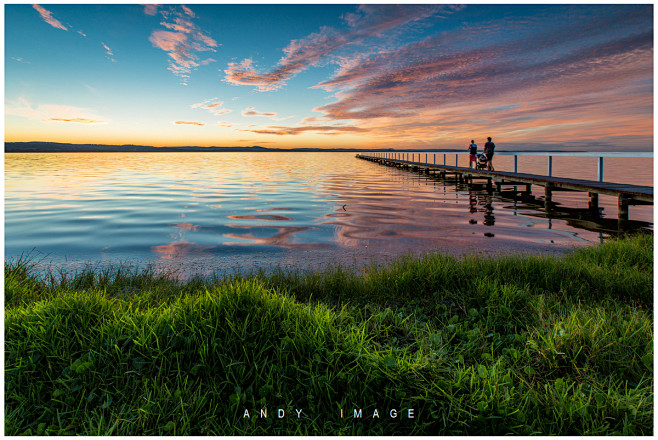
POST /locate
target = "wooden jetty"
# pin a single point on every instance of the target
(626, 194)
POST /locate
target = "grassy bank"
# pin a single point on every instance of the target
(511, 345)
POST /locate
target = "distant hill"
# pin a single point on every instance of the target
(54, 147)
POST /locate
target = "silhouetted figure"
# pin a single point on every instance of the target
(489, 152)
(473, 151)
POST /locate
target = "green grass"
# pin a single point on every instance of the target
(508, 345)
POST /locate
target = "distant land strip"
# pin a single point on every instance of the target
(55, 147)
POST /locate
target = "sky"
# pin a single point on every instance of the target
(542, 77)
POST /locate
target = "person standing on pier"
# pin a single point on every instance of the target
(489, 152)
(473, 150)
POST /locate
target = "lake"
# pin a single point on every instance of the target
(199, 213)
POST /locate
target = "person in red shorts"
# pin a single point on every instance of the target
(473, 150)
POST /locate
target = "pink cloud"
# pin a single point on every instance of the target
(151, 9)
(48, 17)
(326, 130)
(203, 103)
(188, 11)
(371, 20)
(182, 41)
(167, 41)
(179, 25)
(244, 73)
(299, 55)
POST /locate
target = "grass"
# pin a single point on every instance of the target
(509, 345)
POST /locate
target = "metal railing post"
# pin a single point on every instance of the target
(550, 166)
(516, 161)
(599, 171)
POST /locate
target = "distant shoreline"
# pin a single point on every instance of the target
(55, 147)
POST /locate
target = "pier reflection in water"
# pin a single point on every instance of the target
(206, 212)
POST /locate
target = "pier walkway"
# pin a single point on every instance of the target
(626, 194)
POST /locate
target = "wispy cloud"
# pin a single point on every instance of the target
(90, 88)
(200, 124)
(51, 112)
(251, 111)
(48, 17)
(188, 11)
(108, 51)
(326, 130)
(368, 21)
(78, 120)
(182, 40)
(213, 106)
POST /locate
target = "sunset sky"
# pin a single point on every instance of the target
(308, 75)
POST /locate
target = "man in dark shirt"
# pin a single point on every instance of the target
(489, 152)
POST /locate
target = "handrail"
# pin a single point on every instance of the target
(599, 172)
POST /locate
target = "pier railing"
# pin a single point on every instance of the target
(446, 158)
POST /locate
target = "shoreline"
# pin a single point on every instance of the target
(354, 260)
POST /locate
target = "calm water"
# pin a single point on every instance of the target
(205, 212)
